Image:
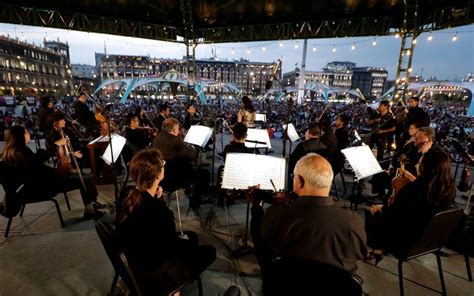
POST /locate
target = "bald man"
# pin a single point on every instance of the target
(312, 227)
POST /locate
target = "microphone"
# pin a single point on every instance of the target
(269, 83)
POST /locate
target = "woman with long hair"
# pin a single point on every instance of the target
(147, 230)
(401, 224)
(247, 113)
(40, 181)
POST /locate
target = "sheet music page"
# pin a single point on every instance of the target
(261, 135)
(261, 117)
(117, 144)
(198, 135)
(243, 170)
(363, 161)
(292, 133)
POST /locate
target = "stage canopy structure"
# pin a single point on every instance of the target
(173, 79)
(212, 21)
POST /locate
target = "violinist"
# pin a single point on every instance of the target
(312, 227)
(40, 180)
(138, 138)
(140, 114)
(401, 224)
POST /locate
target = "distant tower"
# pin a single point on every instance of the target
(58, 47)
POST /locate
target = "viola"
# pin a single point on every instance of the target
(63, 158)
(284, 198)
(398, 183)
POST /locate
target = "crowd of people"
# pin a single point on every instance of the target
(160, 161)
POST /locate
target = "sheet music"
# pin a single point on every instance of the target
(243, 170)
(261, 135)
(261, 117)
(117, 144)
(362, 161)
(198, 135)
(292, 133)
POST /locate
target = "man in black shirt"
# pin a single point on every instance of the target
(385, 128)
(85, 116)
(44, 112)
(165, 112)
(237, 145)
(137, 138)
(416, 114)
(311, 228)
(190, 118)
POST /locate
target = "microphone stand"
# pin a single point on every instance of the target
(290, 106)
(109, 134)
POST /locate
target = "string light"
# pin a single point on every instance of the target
(334, 48)
(353, 47)
(264, 48)
(232, 51)
(455, 37)
(397, 35)
(296, 45)
(248, 50)
(314, 48)
(281, 44)
(374, 43)
(414, 41)
(430, 37)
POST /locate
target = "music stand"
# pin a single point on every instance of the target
(292, 134)
(243, 170)
(364, 164)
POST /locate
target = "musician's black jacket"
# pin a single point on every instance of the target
(85, 116)
(236, 147)
(312, 228)
(43, 115)
(189, 121)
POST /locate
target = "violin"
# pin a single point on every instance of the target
(63, 158)
(284, 198)
(398, 182)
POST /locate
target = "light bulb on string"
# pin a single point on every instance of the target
(281, 44)
(296, 45)
(430, 37)
(232, 51)
(248, 50)
(264, 48)
(397, 35)
(455, 37)
(46, 36)
(333, 48)
(353, 47)
(314, 48)
(23, 37)
(414, 41)
(374, 43)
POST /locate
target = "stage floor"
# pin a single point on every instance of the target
(41, 258)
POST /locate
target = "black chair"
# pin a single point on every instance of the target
(431, 241)
(293, 276)
(123, 268)
(15, 202)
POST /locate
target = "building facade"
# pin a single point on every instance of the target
(27, 68)
(345, 75)
(250, 76)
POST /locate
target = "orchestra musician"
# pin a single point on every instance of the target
(138, 138)
(41, 181)
(44, 112)
(247, 113)
(191, 118)
(140, 114)
(400, 225)
(165, 112)
(179, 156)
(85, 116)
(147, 231)
(385, 126)
(311, 228)
(342, 136)
(237, 145)
(312, 143)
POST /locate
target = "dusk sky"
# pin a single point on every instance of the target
(440, 57)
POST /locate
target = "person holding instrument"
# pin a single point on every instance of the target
(312, 228)
(147, 230)
(40, 180)
(247, 113)
(401, 224)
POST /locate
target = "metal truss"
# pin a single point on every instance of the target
(370, 26)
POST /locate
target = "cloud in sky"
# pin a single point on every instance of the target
(440, 57)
